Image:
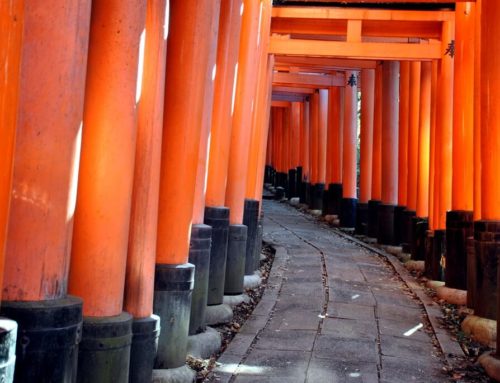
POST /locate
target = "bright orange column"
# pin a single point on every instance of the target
(322, 134)
(459, 221)
(377, 137)
(305, 143)
(422, 209)
(46, 85)
(433, 145)
(107, 163)
(314, 137)
(141, 257)
(477, 111)
(242, 117)
(333, 124)
(295, 136)
(404, 105)
(390, 130)
(224, 95)
(366, 134)
(11, 23)
(413, 127)
(350, 139)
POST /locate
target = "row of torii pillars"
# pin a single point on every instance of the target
(428, 149)
(133, 137)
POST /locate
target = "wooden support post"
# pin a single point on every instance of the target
(390, 130)
(314, 154)
(322, 146)
(376, 196)
(404, 106)
(305, 135)
(459, 221)
(43, 56)
(366, 149)
(349, 197)
(141, 258)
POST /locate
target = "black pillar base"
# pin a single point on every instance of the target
(385, 218)
(283, 181)
(459, 227)
(8, 335)
(48, 337)
(298, 183)
(235, 266)
(361, 218)
(104, 354)
(435, 263)
(145, 333)
(268, 174)
(258, 243)
(199, 256)
(419, 233)
(250, 220)
(348, 213)
(487, 243)
(407, 230)
(308, 193)
(471, 273)
(429, 248)
(324, 204)
(280, 193)
(398, 224)
(372, 226)
(317, 196)
(172, 303)
(218, 219)
(335, 199)
(292, 183)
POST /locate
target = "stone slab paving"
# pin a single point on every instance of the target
(332, 312)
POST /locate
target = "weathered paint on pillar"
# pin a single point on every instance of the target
(47, 148)
(350, 137)
(278, 136)
(404, 105)
(211, 68)
(424, 140)
(336, 128)
(444, 121)
(295, 136)
(366, 134)
(314, 137)
(413, 126)
(224, 95)
(477, 111)
(490, 113)
(242, 117)
(322, 134)
(390, 116)
(102, 216)
(332, 134)
(285, 147)
(188, 51)
(11, 24)
(463, 109)
(377, 137)
(139, 282)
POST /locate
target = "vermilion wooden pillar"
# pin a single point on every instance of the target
(314, 151)
(487, 229)
(420, 221)
(294, 148)
(305, 135)
(390, 130)
(11, 25)
(444, 130)
(366, 148)
(459, 221)
(413, 127)
(141, 258)
(242, 116)
(334, 150)
(349, 197)
(43, 55)
(188, 52)
(404, 106)
(319, 187)
(376, 196)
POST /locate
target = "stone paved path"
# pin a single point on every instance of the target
(332, 312)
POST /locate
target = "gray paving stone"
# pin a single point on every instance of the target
(331, 371)
(349, 328)
(351, 311)
(405, 348)
(397, 370)
(292, 340)
(400, 313)
(284, 364)
(362, 298)
(254, 324)
(347, 350)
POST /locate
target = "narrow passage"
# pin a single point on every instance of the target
(333, 312)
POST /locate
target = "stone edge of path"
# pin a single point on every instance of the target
(448, 346)
(238, 350)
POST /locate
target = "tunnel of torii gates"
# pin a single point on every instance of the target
(136, 135)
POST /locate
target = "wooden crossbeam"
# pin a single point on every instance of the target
(292, 89)
(291, 97)
(327, 63)
(308, 80)
(355, 50)
(281, 104)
